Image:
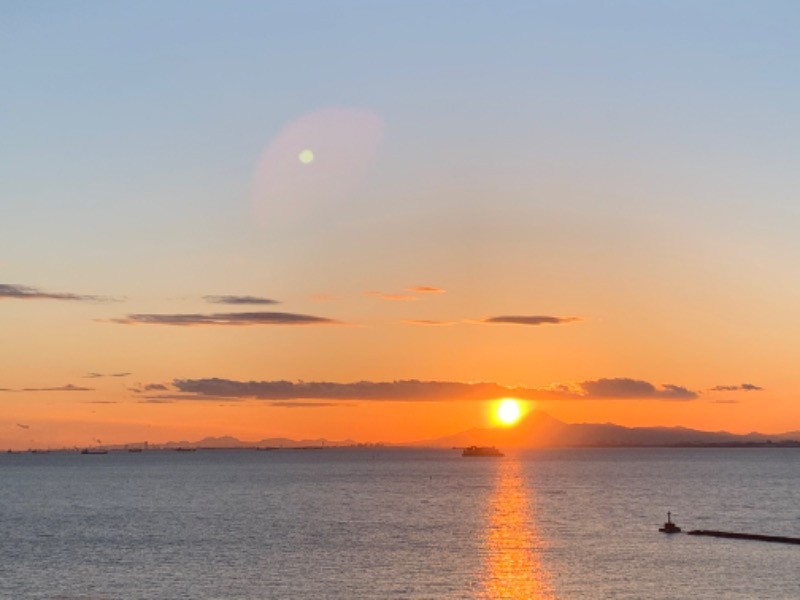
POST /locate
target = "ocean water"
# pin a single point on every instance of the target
(393, 523)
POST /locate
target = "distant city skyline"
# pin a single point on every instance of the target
(375, 220)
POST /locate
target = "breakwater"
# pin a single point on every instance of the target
(746, 536)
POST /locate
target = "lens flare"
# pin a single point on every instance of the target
(339, 143)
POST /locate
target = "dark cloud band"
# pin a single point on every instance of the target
(415, 390)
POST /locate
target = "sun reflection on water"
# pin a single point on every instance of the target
(513, 570)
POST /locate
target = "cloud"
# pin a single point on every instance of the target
(98, 375)
(361, 390)
(323, 297)
(530, 320)
(503, 320)
(745, 387)
(415, 390)
(22, 292)
(393, 297)
(225, 319)
(61, 388)
(621, 388)
(151, 387)
(749, 387)
(23, 426)
(296, 404)
(425, 289)
(239, 300)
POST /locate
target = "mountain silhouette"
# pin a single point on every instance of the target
(537, 429)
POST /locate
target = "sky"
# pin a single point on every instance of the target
(372, 220)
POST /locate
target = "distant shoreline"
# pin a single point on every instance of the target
(372, 447)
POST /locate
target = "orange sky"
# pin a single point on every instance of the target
(595, 214)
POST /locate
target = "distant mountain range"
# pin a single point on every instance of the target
(232, 442)
(539, 430)
(536, 430)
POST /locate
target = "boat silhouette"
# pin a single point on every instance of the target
(481, 451)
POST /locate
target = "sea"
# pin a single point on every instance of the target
(384, 523)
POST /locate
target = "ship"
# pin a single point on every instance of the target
(481, 451)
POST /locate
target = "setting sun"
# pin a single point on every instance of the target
(508, 411)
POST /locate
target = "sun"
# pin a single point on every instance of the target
(508, 411)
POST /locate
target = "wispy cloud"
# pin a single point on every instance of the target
(99, 375)
(61, 388)
(239, 300)
(152, 387)
(23, 292)
(425, 289)
(323, 297)
(393, 297)
(300, 404)
(744, 387)
(530, 320)
(415, 390)
(224, 319)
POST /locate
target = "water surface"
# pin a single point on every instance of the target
(391, 523)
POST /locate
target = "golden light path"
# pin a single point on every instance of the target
(513, 571)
